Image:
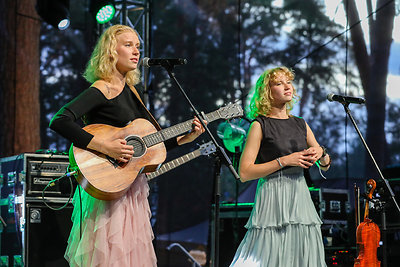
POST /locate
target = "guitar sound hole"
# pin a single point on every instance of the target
(139, 148)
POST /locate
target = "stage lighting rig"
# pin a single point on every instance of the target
(102, 10)
(54, 12)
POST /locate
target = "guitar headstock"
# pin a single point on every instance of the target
(230, 111)
(207, 148)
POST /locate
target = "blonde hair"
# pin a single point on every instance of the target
(103, 60)
(261, 103)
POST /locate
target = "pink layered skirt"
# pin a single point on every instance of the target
(112, 233)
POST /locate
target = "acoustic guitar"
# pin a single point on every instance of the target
(203, 150)
(106, 178)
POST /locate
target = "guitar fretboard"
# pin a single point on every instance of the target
(173, 164)
(178, 129)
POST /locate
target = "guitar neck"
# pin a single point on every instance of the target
(173, 131)
(173, 164)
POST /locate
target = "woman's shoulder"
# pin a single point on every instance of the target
(108, 90)
(101, 86)
(260, 119)
(297, 118)
(299, 121)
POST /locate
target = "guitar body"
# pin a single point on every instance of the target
(103, 177)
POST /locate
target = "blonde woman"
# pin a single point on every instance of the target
(284, 227)
(117, 232)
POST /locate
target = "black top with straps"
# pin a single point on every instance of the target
(92, 103)
(281, 137)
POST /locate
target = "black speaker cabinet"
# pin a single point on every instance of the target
(46, 234)
(231, 230)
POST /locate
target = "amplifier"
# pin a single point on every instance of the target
(28, 174)
(22, 181)
(233, 218)
(46, 234)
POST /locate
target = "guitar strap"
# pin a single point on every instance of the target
(153, 120)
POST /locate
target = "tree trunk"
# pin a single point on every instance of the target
(20, 29)
(373, 69)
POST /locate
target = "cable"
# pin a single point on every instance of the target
(52, 183)
(345, 91)
(81, 220)
(81, 213)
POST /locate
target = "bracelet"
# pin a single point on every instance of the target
(324, 152)
(329, 163)
(279, 162)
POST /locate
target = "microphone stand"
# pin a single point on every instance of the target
(221, 154)
(389, 189)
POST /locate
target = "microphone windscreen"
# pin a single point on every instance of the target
(145, 62)
(330, 97)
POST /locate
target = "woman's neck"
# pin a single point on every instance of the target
(278, 113)
(118, 81)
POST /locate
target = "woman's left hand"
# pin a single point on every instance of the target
(315, 152)
(197, 130)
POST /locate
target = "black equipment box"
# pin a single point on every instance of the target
(334, 205)
(233, 218)
(22, 181)
(28, 174)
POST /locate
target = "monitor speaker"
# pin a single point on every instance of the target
(231, 230)
(46, 234)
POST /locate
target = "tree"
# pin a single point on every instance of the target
(19, 78)
(372, 65)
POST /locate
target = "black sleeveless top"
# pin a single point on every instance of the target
(281, 137)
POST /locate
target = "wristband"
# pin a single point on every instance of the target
(324, 151)
(279, 162)
(329, 163)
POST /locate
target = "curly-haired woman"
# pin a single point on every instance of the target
(284, 228)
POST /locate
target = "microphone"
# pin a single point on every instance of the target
(345, 99)
(148, 62)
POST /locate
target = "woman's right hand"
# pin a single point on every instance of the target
(301, 159)
(117, 149)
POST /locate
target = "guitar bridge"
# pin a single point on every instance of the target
(115, 162)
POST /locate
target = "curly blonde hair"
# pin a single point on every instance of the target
(261, 103)
(103, 60)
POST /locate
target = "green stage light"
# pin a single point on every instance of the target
(103, 10)
(105, 14)
(232, 136)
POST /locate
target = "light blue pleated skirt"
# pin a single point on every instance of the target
(284, 228)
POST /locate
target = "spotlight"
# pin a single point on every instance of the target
(232, 135)
(103, 10)
(54, 12)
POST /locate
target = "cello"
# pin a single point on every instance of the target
(368, 236)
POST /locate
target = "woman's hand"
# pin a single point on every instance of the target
(197, 130)
(315, 152)
(117, 149)
(304, 159)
